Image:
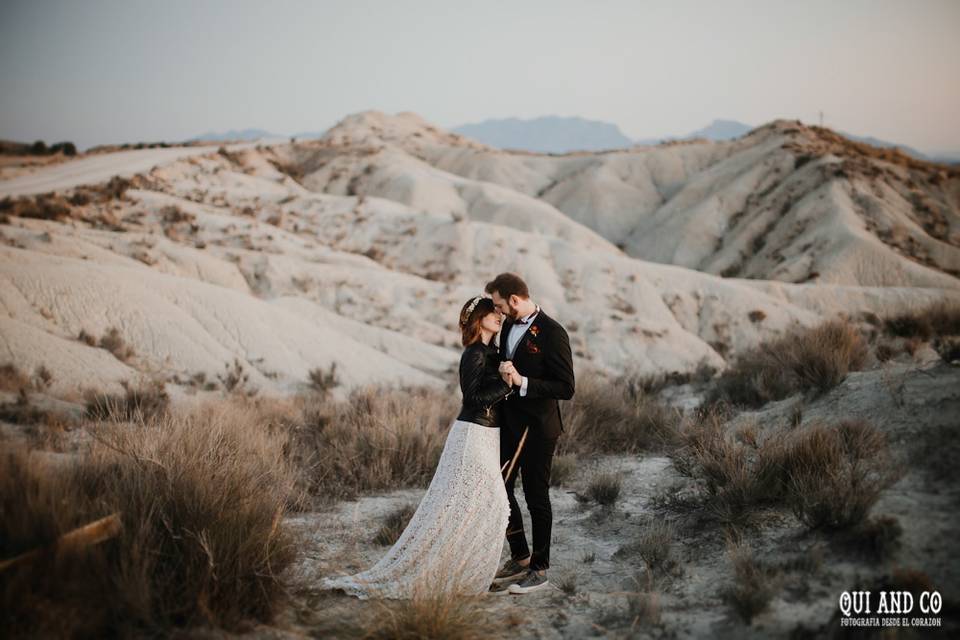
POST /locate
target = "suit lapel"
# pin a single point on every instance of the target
(530, 334)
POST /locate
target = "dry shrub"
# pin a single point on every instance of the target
(378, 438)
(654, 546)
(113, 342)
(439, 606)
(755, 583)
(727, 469)
(643, 609)
(147, 400)
(432, 616)
(830, 476)
(201, 497)
(236, 380)
(47, 206)
(562, 469)
(836, 474)
(566, 582)
(12, 378)
(39, 422)
(604, 488)
(324, 381)
(42, 426)
(615, 417)
(815, 359)
(393, 525)
(939, 319)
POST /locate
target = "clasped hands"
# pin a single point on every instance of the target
(509, 373)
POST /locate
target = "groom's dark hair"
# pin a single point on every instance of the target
(508, 284)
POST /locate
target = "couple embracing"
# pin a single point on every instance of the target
(508, 424)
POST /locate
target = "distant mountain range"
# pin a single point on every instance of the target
(547, 134)
(716, 130)
(556, 134)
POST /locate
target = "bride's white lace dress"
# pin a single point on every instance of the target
(454, 539)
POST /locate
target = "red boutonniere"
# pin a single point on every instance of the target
(532, 347)
(534, 330)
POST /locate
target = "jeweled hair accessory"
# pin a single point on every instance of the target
(473, 305)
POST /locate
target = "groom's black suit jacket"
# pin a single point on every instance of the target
(543, 355)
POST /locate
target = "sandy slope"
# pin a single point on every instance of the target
(785, 202)
(99, 168)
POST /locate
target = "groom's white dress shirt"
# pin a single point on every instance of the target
(513, 339)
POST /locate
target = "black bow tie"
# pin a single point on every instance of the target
(521, 321)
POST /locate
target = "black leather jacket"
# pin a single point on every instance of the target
(481, 385)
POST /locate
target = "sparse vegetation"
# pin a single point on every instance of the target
(431, 615)
(201, 499)
(113, 342)
(654, 546)
(816, 359)
(324, 381)
(755, 583)
(615, 417)
(562, 469)
(837, 474)
(567, 582)
(830, 476)
(46, 206)
(604, 488)
(937, 320)
(235, 379)
(12, 378)
(376, 439)
(394, 524)
(146, 400)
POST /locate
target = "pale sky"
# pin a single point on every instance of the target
(100, 71)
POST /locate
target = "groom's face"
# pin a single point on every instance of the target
(506, 306)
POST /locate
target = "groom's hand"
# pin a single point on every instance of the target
(510, 374)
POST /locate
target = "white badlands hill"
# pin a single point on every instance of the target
(358, 250)
(785, 202)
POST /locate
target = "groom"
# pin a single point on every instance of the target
(536, 348)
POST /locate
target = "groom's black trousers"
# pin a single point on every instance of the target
(534, 465)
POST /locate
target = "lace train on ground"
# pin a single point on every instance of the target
(454, 540)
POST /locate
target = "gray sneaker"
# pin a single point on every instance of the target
(533, 581)
(511, 569)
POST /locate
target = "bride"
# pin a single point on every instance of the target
(454, 540)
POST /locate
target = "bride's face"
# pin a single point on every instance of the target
(492, 321)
